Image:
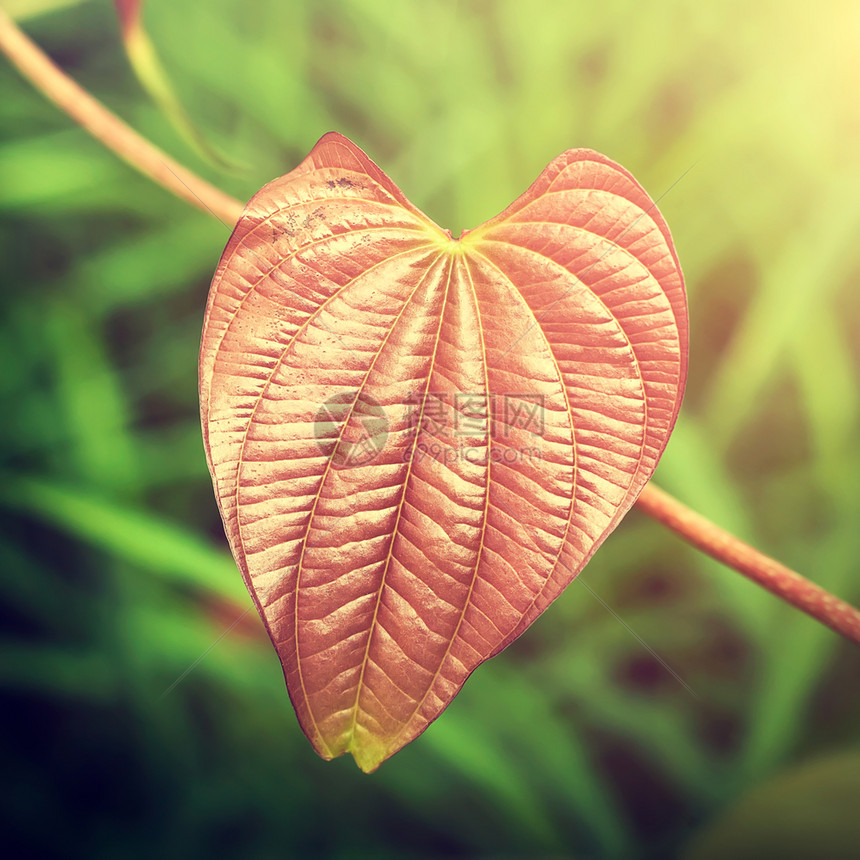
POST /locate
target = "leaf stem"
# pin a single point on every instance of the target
(33, 63)
(734, 553)
(46, 76)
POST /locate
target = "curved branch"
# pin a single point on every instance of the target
(41, 71)
(137, 151)
(734, 553)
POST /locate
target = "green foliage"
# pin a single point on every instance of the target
(807, 811)
(115, 574)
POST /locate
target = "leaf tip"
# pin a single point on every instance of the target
(369, 752)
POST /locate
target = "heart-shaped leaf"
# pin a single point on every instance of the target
(418, 441)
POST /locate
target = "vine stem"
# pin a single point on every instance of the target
(141, 154)
(46, 76)
(780, 580)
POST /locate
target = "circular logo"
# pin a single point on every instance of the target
(351, 428)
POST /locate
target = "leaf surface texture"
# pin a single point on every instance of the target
(416, 441)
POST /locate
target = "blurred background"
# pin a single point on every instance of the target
(576, 742)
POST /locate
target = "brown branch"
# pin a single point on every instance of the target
(41, 71)
(775, 577)
(137, 151)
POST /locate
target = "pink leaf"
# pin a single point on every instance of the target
(416, 441)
